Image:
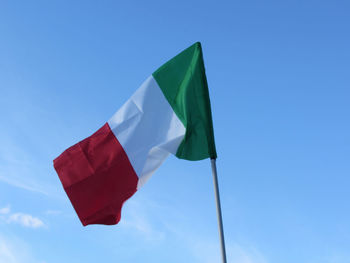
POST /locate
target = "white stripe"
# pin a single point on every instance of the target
(148, 129)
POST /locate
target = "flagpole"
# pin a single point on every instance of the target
(218, 209)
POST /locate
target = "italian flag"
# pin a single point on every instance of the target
(169, 114)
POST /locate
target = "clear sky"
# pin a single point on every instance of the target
(279, 81)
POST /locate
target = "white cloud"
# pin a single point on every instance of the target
(5, 210)
(53, 212)
(23, 219)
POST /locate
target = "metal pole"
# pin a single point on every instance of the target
(218, 209)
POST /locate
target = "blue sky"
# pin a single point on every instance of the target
(278, 74)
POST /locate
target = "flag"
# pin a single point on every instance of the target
(169, 114)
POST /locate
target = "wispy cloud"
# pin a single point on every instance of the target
(245, 254)
(208, 250)
(23, 185)
(14, 250)
(6, 253)
(151, 221)
(22, 219)
(337, 256)
(20, 168)
(137, 220)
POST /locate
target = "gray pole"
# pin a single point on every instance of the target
(218, 209)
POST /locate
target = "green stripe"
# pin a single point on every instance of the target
(184, 84)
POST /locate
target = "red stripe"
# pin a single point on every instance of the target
(97, 176)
